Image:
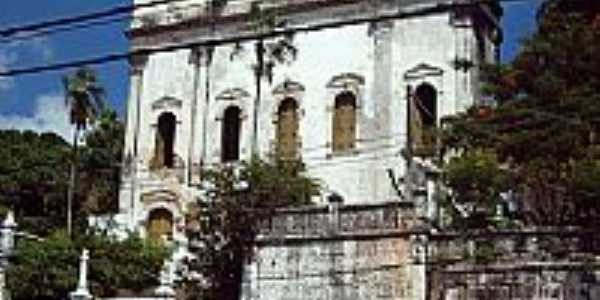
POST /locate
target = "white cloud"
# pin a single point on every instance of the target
(49, 114)
(42, 46)
(12, 53)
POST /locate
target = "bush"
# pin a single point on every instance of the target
(48, 269)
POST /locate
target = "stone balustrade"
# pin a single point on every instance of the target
(337, 221)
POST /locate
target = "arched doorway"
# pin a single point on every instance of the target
(160, 224)
(230, 134)
(287, 129)
(165, 140)
(344, 122)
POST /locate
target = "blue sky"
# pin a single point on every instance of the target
(36, 101)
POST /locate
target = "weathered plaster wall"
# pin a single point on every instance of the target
(375, 269)
(336, 252)
(359, 251)
(376, 61)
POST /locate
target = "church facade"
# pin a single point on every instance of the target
(364, 81)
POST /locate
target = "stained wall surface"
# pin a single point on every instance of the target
(377, 61)
(340, 252)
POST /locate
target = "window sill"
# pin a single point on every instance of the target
(344, 153)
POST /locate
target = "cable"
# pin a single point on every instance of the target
(63, 28)
(50, 31)
(240, 38)
(82, 18)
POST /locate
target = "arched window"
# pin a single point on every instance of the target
(160, 224)
(344, 122)
(165, 140)
(426, 100)
(425, 116)
(230, 134)
(287, 129)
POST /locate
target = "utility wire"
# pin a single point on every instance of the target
(54, 30)
(118, 10)
(240, 38)
(73, 26)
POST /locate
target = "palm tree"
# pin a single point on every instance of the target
(85, 99)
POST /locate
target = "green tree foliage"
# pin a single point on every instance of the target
(33, 176)
(241, 198)
(100, 164)
(48, 269)
(477, 180)
(544, 128)
(84, 96)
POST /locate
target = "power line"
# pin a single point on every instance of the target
(241, 38)
(50, 30)
(117, 10)
(54, 30)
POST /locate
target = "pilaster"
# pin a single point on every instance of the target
(137, 64)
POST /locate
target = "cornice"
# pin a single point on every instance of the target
(207, 21)
(297, 14)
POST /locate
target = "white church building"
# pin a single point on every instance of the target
(366, 77)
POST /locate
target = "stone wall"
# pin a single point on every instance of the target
(545, 263)
(336, 252)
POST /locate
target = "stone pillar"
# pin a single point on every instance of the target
(137, 65)
(82, 292)
(132, 155)
(205, 73)
(418, 267)
(193, 164)
(334, 201)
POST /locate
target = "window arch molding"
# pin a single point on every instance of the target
(347, 82)
(285, 90)
(160, 200)
(166, 124)
(287, 141)
(344, 90)
(344, 133)
(426, 75)
(232, 97)
(424, 89)
(282, 94)
(241, 100)
(231, 134)
(167, 103)
(426, 101)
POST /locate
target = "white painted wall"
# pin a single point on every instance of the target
(388, 56)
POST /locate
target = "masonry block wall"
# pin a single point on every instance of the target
(337, 252)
